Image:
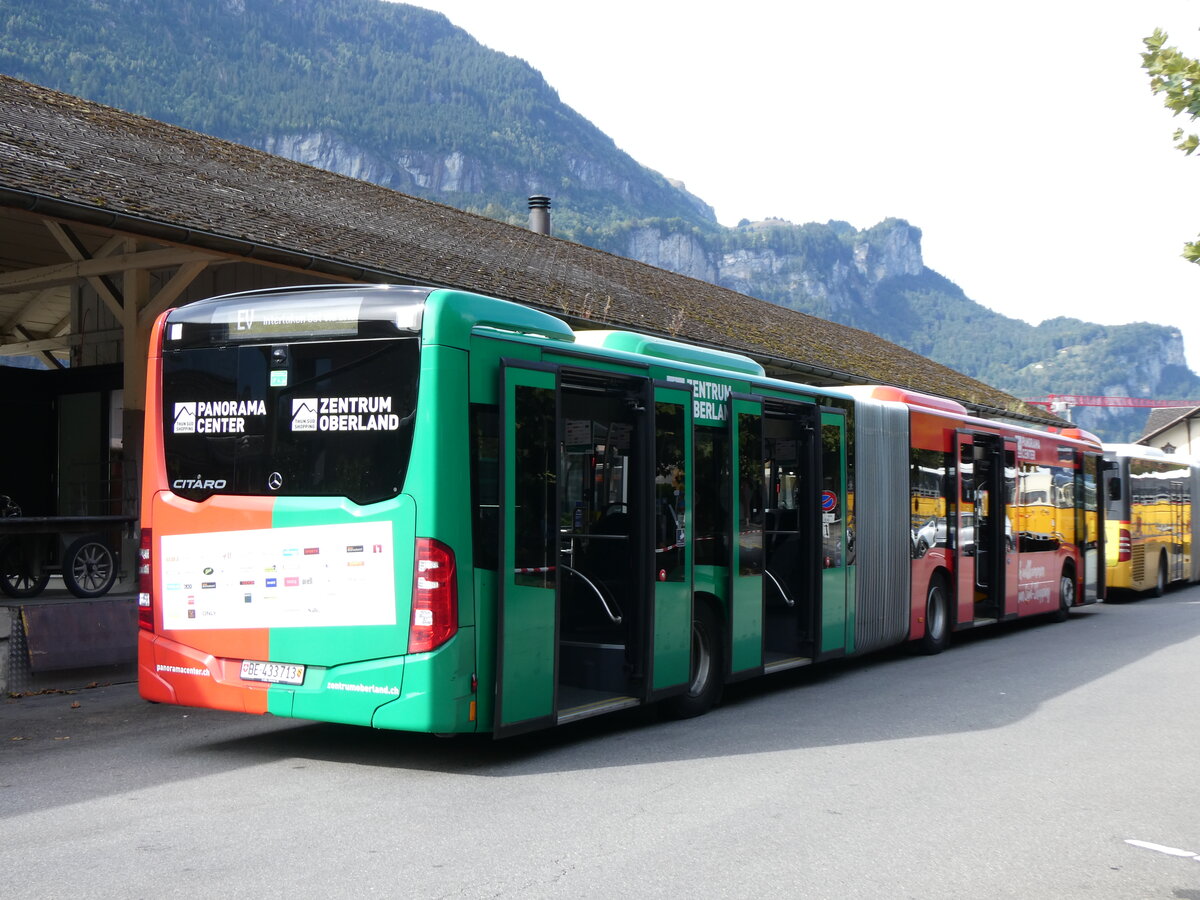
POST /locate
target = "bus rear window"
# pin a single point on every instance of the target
(327, 418)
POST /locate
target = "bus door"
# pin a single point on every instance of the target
(527, 615)
(1177, 500)
(791, 535)
(1088, 529)
(745, 608)
(605, 544)
(981, 534)
(671, 616)
(837, 629)
(575, 503)
(1007, 530)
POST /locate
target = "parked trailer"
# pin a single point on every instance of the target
(81, 548)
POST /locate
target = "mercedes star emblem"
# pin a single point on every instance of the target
(274, 481)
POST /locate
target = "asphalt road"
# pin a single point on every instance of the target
(1023, 762)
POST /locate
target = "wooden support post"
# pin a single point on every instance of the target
(135, 291)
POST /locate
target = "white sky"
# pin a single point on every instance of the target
(1021, 138)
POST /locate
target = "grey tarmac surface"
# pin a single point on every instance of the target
(1020, 763)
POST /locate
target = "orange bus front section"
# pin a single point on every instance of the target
(204, 670)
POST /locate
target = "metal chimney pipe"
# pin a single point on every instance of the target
(539, 214)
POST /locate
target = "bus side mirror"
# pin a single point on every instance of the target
(1114, 489)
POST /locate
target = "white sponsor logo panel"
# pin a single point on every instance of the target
(304, 576)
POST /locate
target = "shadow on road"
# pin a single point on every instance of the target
(986, 680)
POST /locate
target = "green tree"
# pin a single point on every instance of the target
(1177, 78)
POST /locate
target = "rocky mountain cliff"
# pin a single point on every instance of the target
(399, 96)
(876, 279)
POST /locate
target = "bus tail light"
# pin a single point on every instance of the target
(1124, 546)
(435, 597)
(145, 582)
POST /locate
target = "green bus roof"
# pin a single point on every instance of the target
(662, 348)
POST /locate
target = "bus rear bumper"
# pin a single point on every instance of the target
(431, 692)
(439, 691)
(1118, 578)
(171, 672)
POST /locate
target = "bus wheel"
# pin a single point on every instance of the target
(708, 667)
(1160, 581)
(1066, 596)
(937, 618)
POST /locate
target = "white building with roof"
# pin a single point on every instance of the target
(1174, 431)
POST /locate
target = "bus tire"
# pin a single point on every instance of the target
(89, 567)
(707, 667)
(937, 618)
(1160, 579)
(1066, 596)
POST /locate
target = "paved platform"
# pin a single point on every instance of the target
(57, 641)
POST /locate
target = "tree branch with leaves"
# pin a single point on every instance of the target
(1177, 78)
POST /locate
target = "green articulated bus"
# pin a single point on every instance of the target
(429, 510)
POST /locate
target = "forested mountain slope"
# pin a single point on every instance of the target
(398, 95)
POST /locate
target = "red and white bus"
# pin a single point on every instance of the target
(1021, 530)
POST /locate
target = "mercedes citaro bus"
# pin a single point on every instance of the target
(429, 510)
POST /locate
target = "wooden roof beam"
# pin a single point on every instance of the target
(46, 355)
(64, 273)
(75, 249)
(35, 300)
(56, 344)
(29, 348)
(170, 291)
(62, 326)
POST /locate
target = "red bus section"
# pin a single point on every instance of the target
(1005, 520)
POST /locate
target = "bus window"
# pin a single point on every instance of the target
(485, 485)
(750, 473)
(535, 485)
(831, 483)
(329, 418)
(670, 480)
(927, 479)
(712, 497)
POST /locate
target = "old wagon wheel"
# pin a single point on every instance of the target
(89, 567)
(21, 575)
